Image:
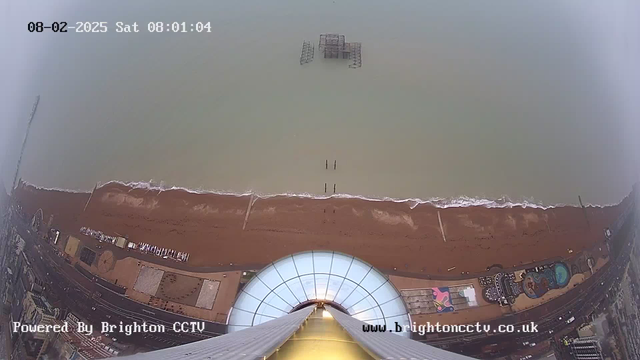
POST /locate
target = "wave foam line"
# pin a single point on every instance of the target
(28, 184)
(457, 202)
(438, 202)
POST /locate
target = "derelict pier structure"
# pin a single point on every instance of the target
(308, 51)
(333, 46)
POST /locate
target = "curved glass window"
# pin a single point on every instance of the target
(357, 287)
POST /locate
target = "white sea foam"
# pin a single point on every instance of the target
(462, 201)
(53, 189)
(443, 203)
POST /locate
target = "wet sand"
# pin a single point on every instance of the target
(386, 234)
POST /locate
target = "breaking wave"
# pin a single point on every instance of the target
(27, 184)
(443, 203)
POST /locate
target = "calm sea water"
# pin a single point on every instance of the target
(525, 100)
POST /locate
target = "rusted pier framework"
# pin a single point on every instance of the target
(308, 52)
(355, 55)
(334, 46)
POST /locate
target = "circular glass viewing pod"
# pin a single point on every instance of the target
(347, 283)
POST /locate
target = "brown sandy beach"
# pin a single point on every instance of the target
(215, 230)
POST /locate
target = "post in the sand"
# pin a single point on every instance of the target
(584, 212)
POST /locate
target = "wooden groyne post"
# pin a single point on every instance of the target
(441, 227)
(584, 211)
(90, 196)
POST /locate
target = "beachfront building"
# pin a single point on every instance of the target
(37, 311)
(308, 333)
(314, 305)
(319, 277)
(586, 348)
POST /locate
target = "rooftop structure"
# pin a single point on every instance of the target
(310, 333)
(36, 312)
(36, 304)
(314, 305)
(326, 277)
(586, 348)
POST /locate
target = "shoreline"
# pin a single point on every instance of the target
(219, 230)
(443, 203)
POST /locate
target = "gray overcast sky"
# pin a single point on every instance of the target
(611, 32)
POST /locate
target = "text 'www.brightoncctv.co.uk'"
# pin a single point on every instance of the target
(429, 328)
